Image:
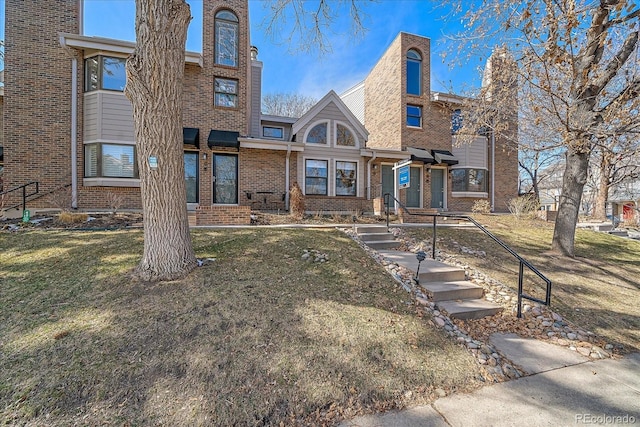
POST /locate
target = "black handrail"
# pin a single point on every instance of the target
(22, 187)
(523, 262)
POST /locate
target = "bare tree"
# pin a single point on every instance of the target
(287, 104)
(155, 72)
(580, 59)
(616, 162)
(303, 25)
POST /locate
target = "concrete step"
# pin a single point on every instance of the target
(621, 233)
(383, 244)
(372, 237)
(360, 229)
(444, 291)
(430, 270)
(469, 309)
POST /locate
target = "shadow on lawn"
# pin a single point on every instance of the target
(258, 337)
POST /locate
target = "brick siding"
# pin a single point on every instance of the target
(223, 215)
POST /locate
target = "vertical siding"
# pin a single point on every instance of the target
(256, 99)
(116, 117)
(90, 115)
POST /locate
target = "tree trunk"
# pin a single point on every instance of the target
(155, 73)
(573, 181)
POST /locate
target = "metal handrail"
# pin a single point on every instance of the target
(523, 262)
(22, 187)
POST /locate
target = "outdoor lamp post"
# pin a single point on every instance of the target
(421, 255)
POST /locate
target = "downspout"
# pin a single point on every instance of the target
(369, 174)
(287, 178)
(74, 122)
(493, 170)
(74, 133)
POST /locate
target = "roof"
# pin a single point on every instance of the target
(330, 97)
(103, 44)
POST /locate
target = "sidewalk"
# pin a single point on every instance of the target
(563, 389)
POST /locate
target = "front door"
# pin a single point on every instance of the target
(388, 182)
(225, 179)
(413, 192)
(437, 188)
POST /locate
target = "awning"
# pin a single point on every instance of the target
(420, 155)
(191, 136)
(444, 156)
(223, 138)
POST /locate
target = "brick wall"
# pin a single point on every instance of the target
(342, 205)
(38, 93)
(223, 215)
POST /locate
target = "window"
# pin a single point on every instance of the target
(191, 175)
(226, 93)
(456, 121)
(226, 35)
(316, 173)
(414, 73)
(317, 134)
(110, 160)
(346, 178)
(414, 116)
(104, 72)
(344, 137)
(469, 180)
(272, 132)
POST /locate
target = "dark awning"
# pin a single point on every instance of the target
(444, 156)
(223, 138)
(191, 136)
(420, 155)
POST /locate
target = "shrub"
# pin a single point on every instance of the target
(296, 201)
(481, 206)
(522, 206)
(72, 217)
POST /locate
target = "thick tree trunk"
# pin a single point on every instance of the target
(155, 73)
(573, 181)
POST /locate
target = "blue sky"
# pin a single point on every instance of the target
(288, 70)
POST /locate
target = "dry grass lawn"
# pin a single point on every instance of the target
(598, 290)
(258, 337)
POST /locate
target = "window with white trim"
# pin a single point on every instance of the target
(346, 178)
(414, 116)
(273, 132)
(317, 134)
(469, 180)
(110, 160)
(344, 137)
(316, 177)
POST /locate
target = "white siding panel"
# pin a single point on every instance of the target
(473, 155)
(90, 117)
(354, 100)
(117, 118)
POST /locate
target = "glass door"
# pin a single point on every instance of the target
(413, 192)
(437, 188)
(225, 179)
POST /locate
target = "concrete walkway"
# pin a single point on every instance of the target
(563, 389)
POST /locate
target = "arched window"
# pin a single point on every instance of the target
(414, 73)
(344, 137)
(317, 134)
(226, 38)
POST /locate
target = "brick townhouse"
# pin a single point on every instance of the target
(68, 126)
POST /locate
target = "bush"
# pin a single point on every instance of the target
(296, 201)
(481, 206)
(522, 206)
(72, 217)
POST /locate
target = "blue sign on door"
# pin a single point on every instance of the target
(404, 180)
